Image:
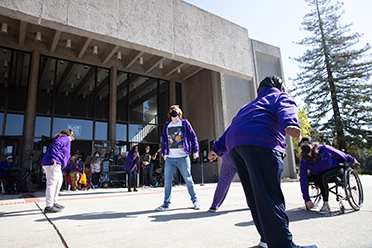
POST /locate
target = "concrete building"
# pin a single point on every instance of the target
(111, 69)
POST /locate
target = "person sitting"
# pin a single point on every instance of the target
(73, 168)
(6, 175)
(323, 163)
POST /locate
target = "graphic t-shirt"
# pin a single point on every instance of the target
(175, 140)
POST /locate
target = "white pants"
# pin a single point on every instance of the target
(54, 182)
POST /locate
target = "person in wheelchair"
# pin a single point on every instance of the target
(323, 163)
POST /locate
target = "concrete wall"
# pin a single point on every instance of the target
(170, 28)
(198, 108)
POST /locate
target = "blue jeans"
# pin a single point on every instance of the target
(132, 175)
(183, 164)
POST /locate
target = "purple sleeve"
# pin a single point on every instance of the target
(287, 112)
(304, 181)
(219, 146)
(164, 140)
(339, 155)
(192, 137)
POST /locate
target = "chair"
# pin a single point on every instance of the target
(352, 190)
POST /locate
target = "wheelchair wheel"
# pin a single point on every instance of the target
(353, 189)
(314, 193)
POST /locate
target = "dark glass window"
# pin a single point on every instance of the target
(17, 80)
(47, 78)
(163, 102)
(122, 97)
(1, 123)
(102, 93)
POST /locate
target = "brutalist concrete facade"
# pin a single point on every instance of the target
(216, 62)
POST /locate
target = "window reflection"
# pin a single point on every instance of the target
(100, 131)
(121, 132)
(83, 129)
(143, 133)
(42, 126)
(1, 123)
(102, 93)
(122, 96)
(14, 124)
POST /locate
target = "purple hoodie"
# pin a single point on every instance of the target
(329, 158)
(59, 151)
(189, 138)
(261, 122)
(128, 165)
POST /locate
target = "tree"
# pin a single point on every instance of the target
(306, 130)
(334, 78)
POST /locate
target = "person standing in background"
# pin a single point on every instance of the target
(130, 166)
(96, 169)
(73, 168)
(53, 162)
(147, 166)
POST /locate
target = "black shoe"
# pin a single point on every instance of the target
(59, 206)
(51, 210)
(135, 189)
(129, 190)
(212, 210)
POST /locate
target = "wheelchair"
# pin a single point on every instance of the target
(346, 188)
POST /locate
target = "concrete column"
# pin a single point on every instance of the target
(172, 92)
(30, 115)
(112, 106)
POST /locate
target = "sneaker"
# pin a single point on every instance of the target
(212, 210)
(135, 189)
(51, 210)
(262, 244)
(162, 208)
(56, 205)
(325, 210)
(196, 206)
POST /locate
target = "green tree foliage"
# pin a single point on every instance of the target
(306, 130)
(334, 78)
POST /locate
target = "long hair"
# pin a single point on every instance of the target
(67, 132)
(315, 154)
(133, 149)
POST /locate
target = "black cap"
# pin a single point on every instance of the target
(272, 81)
(305, 139)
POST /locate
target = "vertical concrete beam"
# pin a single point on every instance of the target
(112, 106)
(172, 92)
(30, 115)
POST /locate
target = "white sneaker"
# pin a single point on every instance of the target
(196, 206)
(325, 210)
(162, 208)
(262, 244)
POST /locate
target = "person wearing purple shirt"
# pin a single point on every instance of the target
(178, 138)
(255, 141)
(323, 163)
(130, 166)
(53, 162)
(73, 168)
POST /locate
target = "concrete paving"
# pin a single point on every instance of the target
(118, 218)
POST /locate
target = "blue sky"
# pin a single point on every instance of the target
(278, 22)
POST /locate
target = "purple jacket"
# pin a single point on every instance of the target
(261, 122)
(189, 138)
(129, 162)
(59, 151)
(328, 158)
(71, 167)
(3, 166)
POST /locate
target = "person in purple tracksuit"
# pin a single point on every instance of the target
(178, 138)
(323, 163)
(227, 174)
(255, 141)
(54, 161)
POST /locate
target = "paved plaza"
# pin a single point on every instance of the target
(114, 217)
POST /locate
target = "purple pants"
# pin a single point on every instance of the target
(227, 174)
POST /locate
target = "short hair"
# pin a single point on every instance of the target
(147, 146)
(175, 107)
